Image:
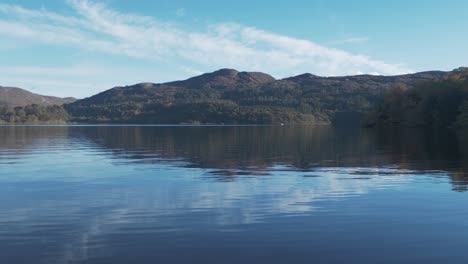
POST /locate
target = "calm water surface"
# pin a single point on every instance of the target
(136, 194)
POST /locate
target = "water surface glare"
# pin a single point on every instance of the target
(247, 194)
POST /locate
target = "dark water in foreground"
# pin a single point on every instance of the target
(232, 195)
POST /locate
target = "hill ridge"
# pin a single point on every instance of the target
(232, 96)
(14, 96)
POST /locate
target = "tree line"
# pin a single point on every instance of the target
(33, 114)
(438, 103)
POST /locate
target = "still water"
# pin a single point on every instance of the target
(162, 194)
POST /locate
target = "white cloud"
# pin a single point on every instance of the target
(54, 71)
(94, 27)
(349, 40)
(356, 39)
(180, 12)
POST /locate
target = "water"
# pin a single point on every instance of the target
(143, 194)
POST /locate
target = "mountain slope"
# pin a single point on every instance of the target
(12, 96)
(229, 96)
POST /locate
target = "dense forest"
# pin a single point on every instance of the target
(437, 103)
(33, 114)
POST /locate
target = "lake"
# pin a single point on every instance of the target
(232, 194)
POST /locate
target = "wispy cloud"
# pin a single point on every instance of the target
(95, 27)
(356, 39)
(54, 71)
(350, 40)
(180, 12)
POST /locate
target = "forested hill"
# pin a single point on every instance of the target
(12, 97)
(21, 106)
(439, 103)
(231, 97)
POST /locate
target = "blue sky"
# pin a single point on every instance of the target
(81, 47)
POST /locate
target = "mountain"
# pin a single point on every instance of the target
(11, 96)
(232, 97)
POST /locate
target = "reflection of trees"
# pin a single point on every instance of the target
(422, 149)
(242, 150)
(237, 147)
(20, 139)
(303, 148)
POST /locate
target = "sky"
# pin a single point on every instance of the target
(83, 47)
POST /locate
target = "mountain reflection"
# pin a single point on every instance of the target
(237, 151)
(245, 150)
